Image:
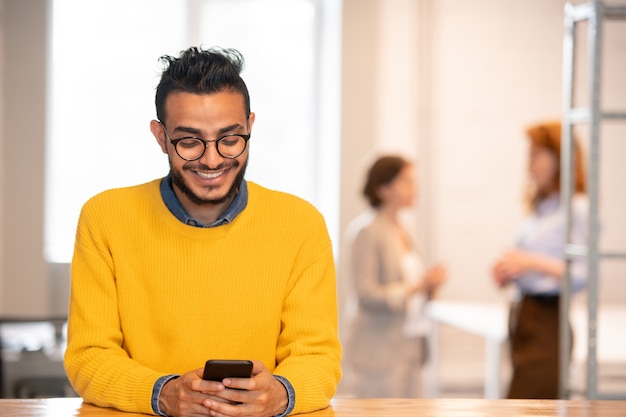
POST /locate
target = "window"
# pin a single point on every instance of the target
(104, 69)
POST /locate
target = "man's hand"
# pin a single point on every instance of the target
(259, 396)
(183, 396)
(190, 395)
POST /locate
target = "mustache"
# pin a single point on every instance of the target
(197, 166)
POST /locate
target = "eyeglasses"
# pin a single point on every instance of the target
(191, 148)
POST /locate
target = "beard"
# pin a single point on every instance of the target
(179, 182)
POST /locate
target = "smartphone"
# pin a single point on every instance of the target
(218, 369)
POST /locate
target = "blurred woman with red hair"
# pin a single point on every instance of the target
(536, 266)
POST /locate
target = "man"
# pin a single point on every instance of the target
(203, 265)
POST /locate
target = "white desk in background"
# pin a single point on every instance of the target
(482, 319)
(490, 321)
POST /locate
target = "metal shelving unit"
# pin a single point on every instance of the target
(594, 13)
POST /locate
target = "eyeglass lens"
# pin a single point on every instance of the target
(230, 146)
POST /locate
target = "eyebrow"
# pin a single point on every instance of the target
(194, 131)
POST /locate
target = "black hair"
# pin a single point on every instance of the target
(201, 71)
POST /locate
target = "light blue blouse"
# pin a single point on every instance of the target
(543, 232)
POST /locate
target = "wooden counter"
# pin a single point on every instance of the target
(347, 407)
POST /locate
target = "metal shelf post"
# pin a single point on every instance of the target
(594, 13)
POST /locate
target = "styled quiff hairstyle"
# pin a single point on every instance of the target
(547, 135)
(201, 71)
(382, 172)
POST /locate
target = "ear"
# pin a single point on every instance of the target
(382, 192)
(157, 130)
(251, 119)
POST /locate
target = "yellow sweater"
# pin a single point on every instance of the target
(151, 296)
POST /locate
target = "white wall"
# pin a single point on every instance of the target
(1, 136)
(451, 83)
(463, 79)
(498, 68)
(25, 287)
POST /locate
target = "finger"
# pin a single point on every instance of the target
(209, 387)
(214, 413)
(498, 275)
(190, 408)
(257, 367)
(232, 396)
(224, 409)
(219, 399)
(237, 383)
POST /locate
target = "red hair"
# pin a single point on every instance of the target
(547, 135)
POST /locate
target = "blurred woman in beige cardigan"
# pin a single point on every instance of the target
(384, 350)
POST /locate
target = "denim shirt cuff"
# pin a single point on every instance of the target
(156, 393)
(291, 396)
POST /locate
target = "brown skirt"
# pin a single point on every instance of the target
(534, 343)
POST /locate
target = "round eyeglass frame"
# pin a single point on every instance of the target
(217, 141)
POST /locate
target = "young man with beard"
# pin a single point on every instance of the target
(203, 265)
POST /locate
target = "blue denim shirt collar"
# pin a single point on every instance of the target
(173, 204)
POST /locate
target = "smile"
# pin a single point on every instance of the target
(209, 175)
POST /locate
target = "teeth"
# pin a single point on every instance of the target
(207, 175)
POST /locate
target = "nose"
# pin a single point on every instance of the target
(211, 156)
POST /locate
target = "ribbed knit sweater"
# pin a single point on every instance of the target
(151, 296)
